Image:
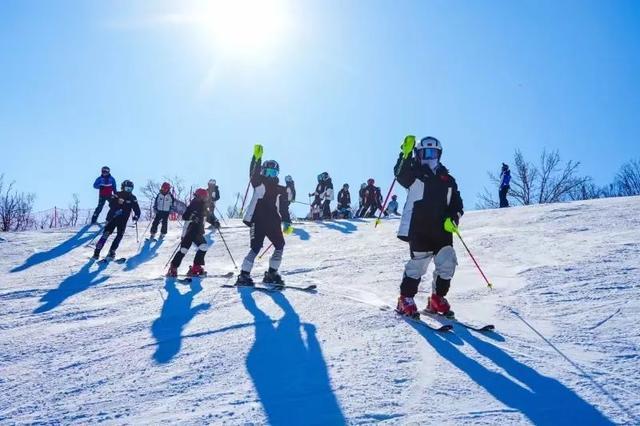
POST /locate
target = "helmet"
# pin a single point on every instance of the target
(346, 185)
(362, 186)
(429, 148)
(270, 168)
(325, 176)
(105, 169)
(370, 181)
(394, 196)
(166, 187)
(212, 182)
(127, 185)
(505, 167)
(288, 178)
(201, 193)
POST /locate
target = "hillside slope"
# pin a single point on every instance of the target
(82, 342)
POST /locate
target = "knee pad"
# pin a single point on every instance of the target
(203, 247)
(445, 262)
(417, 266)
(184, 250)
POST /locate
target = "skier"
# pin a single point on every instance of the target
(193, 233)
(162, 207)
(323, 195)
(372, 199)
(269, 207)
(344, 203)
(361, 193)
(213, 195)
(106, 186)
(120, 207)
(392, 207)
(291, 188)
(317, 199)
(430, 216)
(505, 179)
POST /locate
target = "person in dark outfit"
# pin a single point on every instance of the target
(430, 217)
(344, 203)
(268, 209)
(372, 199)
(213, 195)
(361, 193)
(120, 207)
(193, 233)
(291, 188)
(323, 195)
(162, 207)
(392, 207)
(505, 179)
(106, 186)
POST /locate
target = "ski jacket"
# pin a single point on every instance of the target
(324, 190)
(344, 199)
(163, 203)
(505, 178)
(291, 191)
(362, 193)
(106, 185)
(214, 194)
(372, 195)
(392, 207)
(122, 211)
(270, 201)
(195, 215)
(431, 198)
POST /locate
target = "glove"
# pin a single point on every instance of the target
(257, 151)
(407, 146)
(135, 218)
(287, 229)
(450, 225)
(216, 224)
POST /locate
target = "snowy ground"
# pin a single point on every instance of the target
(84, 343)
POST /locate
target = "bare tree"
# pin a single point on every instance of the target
(525, 180)
(15, 208)
(627, 181)
(557, 182)
(74, 211)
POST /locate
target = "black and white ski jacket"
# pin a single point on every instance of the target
(269, 204)
(163, 203)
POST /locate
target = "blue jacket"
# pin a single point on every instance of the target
(505, 178)
(106, 185)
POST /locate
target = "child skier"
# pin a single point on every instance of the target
(291, 188)
(430, 216)
(361, 194)
(269, 207)
(344, 203)
(372, 199)
(392, 207)
(213, 195)
(106, 186)
(162, 207)
(120, 207)
(192, 233)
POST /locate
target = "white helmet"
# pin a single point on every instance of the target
(212, 182)
(428, 148)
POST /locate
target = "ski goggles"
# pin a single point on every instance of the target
(269, 172)
(428, 153)
(106, 171)
(128, 188)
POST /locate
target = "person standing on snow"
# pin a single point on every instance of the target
(268, 209)
(106, 186)
(431, 214)
(162, 207)
(361, 194)
(193, 233)
(392, 207)
(505, 179)
(213, 195)
(344, 203)
(291, 188)
(323, 195)
(120, 207)
(372, 199)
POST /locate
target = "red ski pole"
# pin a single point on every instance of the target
(385, 202)
(473, 258)
(265, 251)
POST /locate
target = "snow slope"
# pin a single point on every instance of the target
(85, 343)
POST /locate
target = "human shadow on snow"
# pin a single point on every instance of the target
(304, 235)
(72, 285)
(544, 400)
(76, 240)
(147, 252)
(343, 226)
(176, 313)
(288, 369)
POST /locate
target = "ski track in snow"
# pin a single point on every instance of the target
(83, 343)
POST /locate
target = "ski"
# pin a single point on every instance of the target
(108, 260)
(307, 288)
(445, 328)
(183, 277)
(481, 329)
(252, 287)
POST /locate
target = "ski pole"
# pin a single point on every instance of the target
(221, 216)
(265, 251)
(385, 202)
(173, 254)
(228, 251)
(473, 258)
(137, 236)
(244, 200)
(301, 202)
(99, 233)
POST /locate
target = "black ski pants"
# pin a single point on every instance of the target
(193, 236)
(503, 196)
(160, 216)
(119, 224)
(101, 202)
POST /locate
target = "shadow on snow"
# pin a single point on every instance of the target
(147, 252)
(301, 233)
(344, 226)
(288, 369)
(74, 241)
(544, 400)
(72, 285)
(176, 313)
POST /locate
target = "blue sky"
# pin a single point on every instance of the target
(141, 87)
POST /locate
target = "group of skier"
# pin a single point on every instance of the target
(431, 215)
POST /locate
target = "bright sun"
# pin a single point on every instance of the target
(244, 28)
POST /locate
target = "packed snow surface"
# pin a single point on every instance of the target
(84, 343)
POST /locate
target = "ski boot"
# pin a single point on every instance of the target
(244, 279)
(162, 236)
(152, 237)
(272, 277)
(172, 272)
(439, 305)
(407, 306)
(96, 255)
(196, 271)
(110, 257)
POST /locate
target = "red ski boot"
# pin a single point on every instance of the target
(172, 272)
(196, 271)
(439, 305)
(406, 306)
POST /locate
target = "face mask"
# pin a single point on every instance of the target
(431, 162)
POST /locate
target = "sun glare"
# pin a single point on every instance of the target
(244, 28)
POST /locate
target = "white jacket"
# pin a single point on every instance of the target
(164, 202)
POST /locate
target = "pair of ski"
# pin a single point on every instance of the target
(270, 288)
(108, 259)
(446, 327)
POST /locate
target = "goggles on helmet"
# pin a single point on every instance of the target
(270, 172)
(428, 153)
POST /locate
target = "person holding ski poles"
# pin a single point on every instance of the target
(106, 186)
(291, 188)
(120, 207)
(268, 209)
(431, 214)
(344, 203)
(372, 199)
(162, 207)
(192, 233)
(213, 195)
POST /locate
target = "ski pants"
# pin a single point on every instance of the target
(369, 210)
(422, 251)
(259, 231)
(121, 225)
(160, 216)
(193, 236)
(101, 201)
(326, 209)
(503, 196)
